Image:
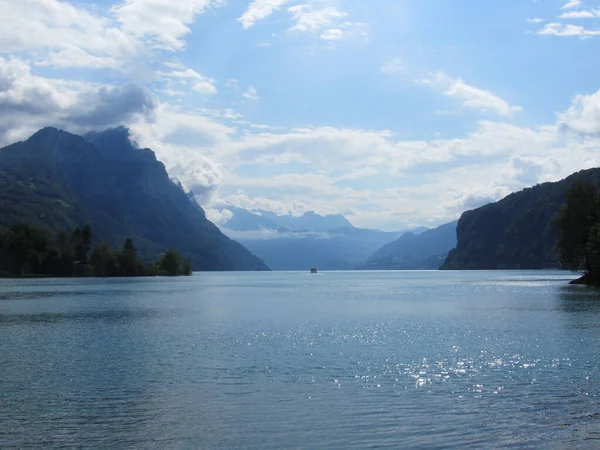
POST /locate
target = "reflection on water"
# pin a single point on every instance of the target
(343, 360)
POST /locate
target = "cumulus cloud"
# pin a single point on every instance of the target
(218, 217)
(594, 13)
(583, 116)
(112, 105)
(199, 83)
(562, 30)
(57, 33)
(163, 22)
(475, 198)
(28, 102)
(471, 97)
(259, 10)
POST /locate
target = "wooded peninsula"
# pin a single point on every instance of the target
(29, 251)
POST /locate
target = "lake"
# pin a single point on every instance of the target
(335, 360)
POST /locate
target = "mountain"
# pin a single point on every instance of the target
(61, 180)
(309, 221)
(414, 252)
(516, 232)
(244, 220)
(287, 242)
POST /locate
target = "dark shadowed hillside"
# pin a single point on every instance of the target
(514, 233)
(60, 180)
(415, 252)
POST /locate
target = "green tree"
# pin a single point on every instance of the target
(593, 252)
(82, 243)
(579, 214)
(170, 263)
(129, 263)
(187, 267)
(104, 261)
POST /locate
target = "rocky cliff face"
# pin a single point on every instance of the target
(514, 233)
(60, 180)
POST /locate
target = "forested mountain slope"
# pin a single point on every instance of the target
(515, 233)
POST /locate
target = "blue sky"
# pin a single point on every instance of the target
(394, 113)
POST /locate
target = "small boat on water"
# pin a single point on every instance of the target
(313, 270)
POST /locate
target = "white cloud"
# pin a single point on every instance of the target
(561, 30)
(29, 102)
(259, 10)
(199, 82)
(583, 116)
(333, 34)
(535, 20)
(594, 13)
(343, 31)
(251, 94)
(57, 33)
(471, 97)
(269, 234)
(241, 200)
(572, 4)
(164, 22)
(218, 217)
(393, 66)
(325, 19)
(310, 19)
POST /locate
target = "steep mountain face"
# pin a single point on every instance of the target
(415, 252)
(60, 180)
(299, 243)
(514, 233)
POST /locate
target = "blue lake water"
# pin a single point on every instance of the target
(293, 360)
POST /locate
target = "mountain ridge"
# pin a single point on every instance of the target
(410, 251)
(516, 232)
(61, 180)
(289, 242)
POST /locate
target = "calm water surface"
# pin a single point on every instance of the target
(289, 360)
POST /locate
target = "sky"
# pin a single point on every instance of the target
(394, 113)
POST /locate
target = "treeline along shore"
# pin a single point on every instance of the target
(30, 251)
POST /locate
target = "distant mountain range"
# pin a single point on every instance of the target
(60, 180)
(516, 232)
(287, 242)
(425, 251)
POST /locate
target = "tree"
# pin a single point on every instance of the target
(104, 261)
(574, 224)
(170, 263)
(129, 264)
(187, 267)
(593, 251)
(82, 243)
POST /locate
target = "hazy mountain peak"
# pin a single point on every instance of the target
(115, 144)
